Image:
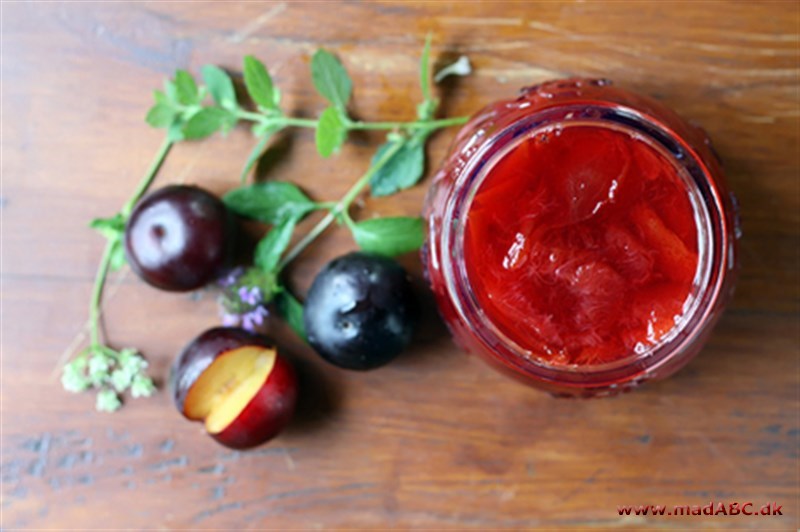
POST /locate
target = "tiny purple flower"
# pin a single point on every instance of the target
(244, 294)
(258, 314)
(231, 277)
(255, 295)
(254, 318)
(250, 295)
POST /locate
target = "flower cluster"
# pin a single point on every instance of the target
(111, 373)
(242, 303)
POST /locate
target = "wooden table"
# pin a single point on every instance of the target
(435, 439)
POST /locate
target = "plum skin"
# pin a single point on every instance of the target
(361, 311)
(268, 411)
(179, 238)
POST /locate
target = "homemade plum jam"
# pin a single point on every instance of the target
(581, 238)
(594, 251)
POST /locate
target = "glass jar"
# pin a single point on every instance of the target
(485, 301)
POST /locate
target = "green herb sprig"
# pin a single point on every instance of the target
(189, 111)
(109, 371)
(397, 164)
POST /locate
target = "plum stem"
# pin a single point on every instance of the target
(339, 207)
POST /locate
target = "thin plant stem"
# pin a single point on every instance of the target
(422, 124)
(97, 294)
(340, 207)
(147, 180)
(282, 121)
(105, 261)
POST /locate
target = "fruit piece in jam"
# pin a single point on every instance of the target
(581, 245)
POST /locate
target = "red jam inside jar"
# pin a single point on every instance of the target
(582, 244)
(581, 238)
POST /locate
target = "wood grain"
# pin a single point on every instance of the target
(436, 439)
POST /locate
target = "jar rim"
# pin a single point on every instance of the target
(709, 219)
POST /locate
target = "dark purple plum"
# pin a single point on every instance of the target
(361, 311)
(180, 238)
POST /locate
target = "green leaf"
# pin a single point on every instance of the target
(276, 97)
(111, 227)
(271, 247)
(207, 121)
(270, 202)
(389, 236)
(331, 132)
(331, 79)
(258, 82)
(160, 115)
(220, 86)
(403, 170)
(292, 311)
(170, 91)
(186, 92)
(160, 97)
(118, 259)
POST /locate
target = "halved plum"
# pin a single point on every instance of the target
(237, 384)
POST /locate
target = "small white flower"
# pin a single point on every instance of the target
(142, 387)
(73, 378)
(121, 379)
(107, 401)
(462, 67)
(98, 365)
